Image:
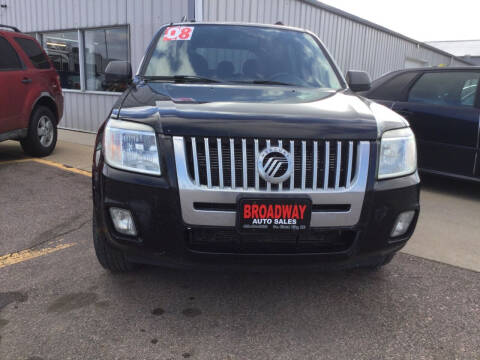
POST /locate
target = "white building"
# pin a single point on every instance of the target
(82, 36)
(468, 50)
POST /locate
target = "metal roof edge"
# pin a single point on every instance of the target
(451, 41)
(360, 20)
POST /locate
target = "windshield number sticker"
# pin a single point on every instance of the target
(178, 33)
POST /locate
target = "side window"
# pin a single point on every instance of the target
(34, 52)
(392, 89)
(9, 59)
(469, 91)
(454, 88)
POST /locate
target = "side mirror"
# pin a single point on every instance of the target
(118, 74)
(358, 80)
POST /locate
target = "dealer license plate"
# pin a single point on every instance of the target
(286, 214)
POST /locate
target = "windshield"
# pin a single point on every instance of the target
(241, 54)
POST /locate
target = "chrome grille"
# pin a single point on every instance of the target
(227, 178)
(230, 163)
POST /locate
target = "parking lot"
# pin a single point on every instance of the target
(56, 302)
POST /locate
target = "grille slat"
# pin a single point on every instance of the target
(304, 164)
(339, 162)
(244, 161)
(232, 162)
(195, 160)
(327, 165)
(280, 145)
(315, 165)
(220, 163)
(292, 153)
(257, 176)
(350, 160)
(208, 165)
(269, 185)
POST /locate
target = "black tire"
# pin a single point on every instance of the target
(41, 144)
(110, 258)
(378, 263)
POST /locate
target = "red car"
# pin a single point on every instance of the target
(31, 100)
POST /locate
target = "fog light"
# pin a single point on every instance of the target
(403, 223)
(123, 221)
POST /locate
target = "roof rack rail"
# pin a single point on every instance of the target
(10, 27)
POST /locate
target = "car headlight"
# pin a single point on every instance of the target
(131, 146)
(398, 154)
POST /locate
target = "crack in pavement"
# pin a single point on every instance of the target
(53, 238)
(60, 229)
(56, 236)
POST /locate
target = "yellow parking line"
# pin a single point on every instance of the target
(50, 163)
(25, 255)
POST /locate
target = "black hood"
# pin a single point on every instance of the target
(253, 111)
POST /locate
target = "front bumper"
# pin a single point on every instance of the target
(164, 239)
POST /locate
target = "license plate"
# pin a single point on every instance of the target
(287, 214)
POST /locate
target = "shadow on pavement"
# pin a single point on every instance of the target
(11, 150)
(450, 186)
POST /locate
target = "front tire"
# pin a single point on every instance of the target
(42, 133)
(110, 258)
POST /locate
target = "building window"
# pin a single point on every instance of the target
(63, 50)
(101, 47)
(81, 56)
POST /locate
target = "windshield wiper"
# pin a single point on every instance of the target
(264, 82)
(180, 78)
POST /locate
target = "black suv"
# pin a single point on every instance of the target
(443, 108)
(242, 146)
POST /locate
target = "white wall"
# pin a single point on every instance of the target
(86, 110)
(353, 44)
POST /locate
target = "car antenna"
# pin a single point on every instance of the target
(279, 23)
(184, 18)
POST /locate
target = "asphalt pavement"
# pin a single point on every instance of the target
(448, 229)
(56, 302)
